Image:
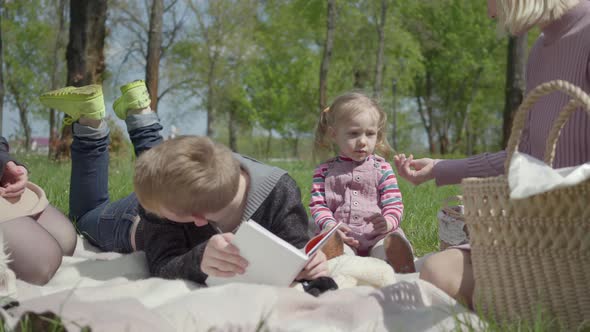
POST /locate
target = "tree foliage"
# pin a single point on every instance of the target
(27, 32)
(253, 67)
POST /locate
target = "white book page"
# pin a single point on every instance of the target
(272, 260)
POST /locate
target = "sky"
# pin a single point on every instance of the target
(186, 115)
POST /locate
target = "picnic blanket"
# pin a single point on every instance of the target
(114, 292)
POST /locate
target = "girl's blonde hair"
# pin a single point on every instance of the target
(186, 175)
(517, 16)
(347, 106)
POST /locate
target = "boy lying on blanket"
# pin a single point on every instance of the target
(191, 181)
(191, 193)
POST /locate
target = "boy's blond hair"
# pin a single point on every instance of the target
(186, 175)
(517, 16)
(345, 107)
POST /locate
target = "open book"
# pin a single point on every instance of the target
(272, 260)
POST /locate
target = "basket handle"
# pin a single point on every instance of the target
(579, 99)
(447, 208)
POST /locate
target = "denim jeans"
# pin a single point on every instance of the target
(105, 224)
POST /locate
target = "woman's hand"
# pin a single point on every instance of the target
(221, 258)
(415, 171)
(14, 180)
(316, 267)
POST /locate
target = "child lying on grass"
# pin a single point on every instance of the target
(188, 191)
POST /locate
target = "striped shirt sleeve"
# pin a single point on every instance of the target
(390, 197)
(320, 213)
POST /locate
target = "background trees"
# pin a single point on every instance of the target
(255, 74)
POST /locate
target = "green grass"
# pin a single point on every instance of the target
(421, 202)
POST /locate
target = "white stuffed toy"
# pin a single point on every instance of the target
(350, 271)
(7, 276)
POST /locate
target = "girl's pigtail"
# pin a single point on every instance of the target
(382, 146)
(320, 144)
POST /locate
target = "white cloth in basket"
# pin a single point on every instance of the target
(529, 176)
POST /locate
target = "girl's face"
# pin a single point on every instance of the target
(356, 137)
(492, 9)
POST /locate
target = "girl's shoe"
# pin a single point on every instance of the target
(76, 102)
(398, 251)
(134, 96)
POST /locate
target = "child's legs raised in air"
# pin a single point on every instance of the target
(144, 131)
(89, 182)
(105, 224)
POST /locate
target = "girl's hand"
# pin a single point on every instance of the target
(415, 171)
(221, 258)
(14, 180)
(344, 230)
(380, 224)
(316, 267)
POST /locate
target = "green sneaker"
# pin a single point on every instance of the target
(84, 101)
(134, 96)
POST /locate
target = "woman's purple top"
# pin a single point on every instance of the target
(561, 52)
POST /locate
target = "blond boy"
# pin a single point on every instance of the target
(192, 194)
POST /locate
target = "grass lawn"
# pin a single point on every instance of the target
(421, 202)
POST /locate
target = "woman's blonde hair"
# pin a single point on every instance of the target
(517, 16)
(186, 175)
(345, 107)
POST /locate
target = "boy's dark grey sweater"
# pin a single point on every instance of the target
(174, 250)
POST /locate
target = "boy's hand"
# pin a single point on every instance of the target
(415, 171)
(221, 258)
(316, 267)
(380, 224)
(14, 180)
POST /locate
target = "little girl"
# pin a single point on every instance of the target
(358, 187)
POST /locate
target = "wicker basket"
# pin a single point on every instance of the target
(532, 254)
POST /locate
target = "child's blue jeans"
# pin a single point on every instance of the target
(105, 224)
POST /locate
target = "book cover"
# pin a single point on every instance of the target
(272, 260)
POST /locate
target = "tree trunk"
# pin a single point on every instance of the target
(268, 142)
(443, 142)
(426, 123)
(515, 81)
(1, 73)
(154, 51)
(378, 88)
(394, 114)
(232, 126)
(23, 111)
(210, 96)
(465, 123)
(296, 147)
(24, 120)
(360, 77)
(60, 11)
(328, 45)
(85, 52)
